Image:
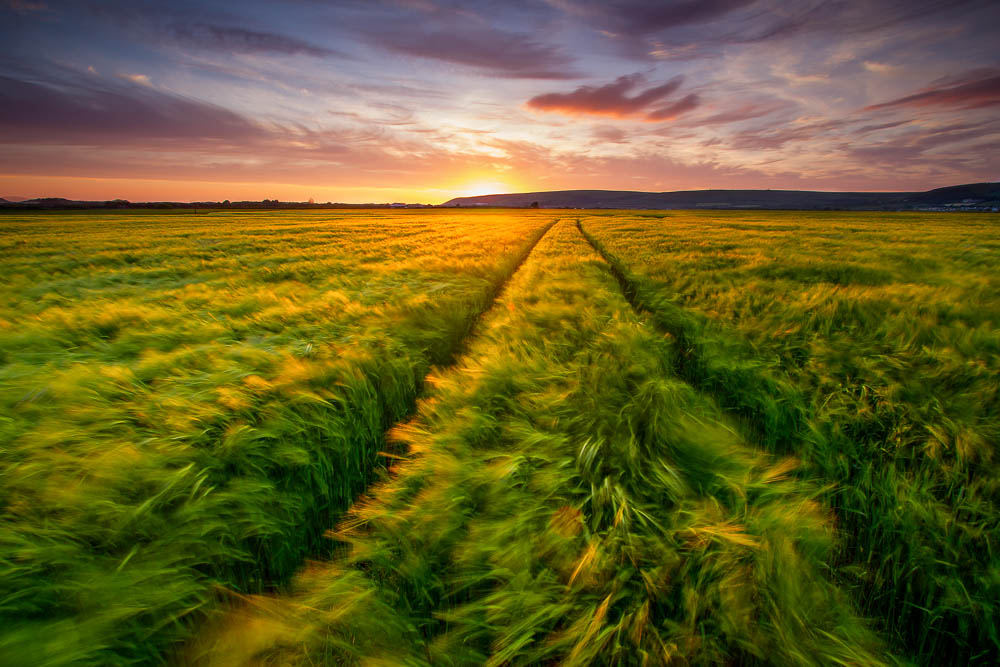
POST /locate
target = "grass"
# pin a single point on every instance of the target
(869, 346)
(647, 438)
(566, 499)
(188, 404)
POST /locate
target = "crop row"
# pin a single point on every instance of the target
(565, 498)
(188, 405)
(870, 349)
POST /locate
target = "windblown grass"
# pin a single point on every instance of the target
(869, 346)
(752, 438)
(566, 499)
(187, 402)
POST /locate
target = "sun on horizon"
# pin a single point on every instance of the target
(480, 188)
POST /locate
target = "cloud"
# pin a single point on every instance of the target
(976, 90)
(843, 18)
(672, 111)
(202, 28)
(495, 51)
(881, 126)
(25, 6)
(775, 138)
(231, 39)
(613, 100)
(638, 17)
(689, 29)
(879, 68)
(742, 112)
(141, 79)
(101, 113)
(957, 152)
(959, 143)
(609, 134)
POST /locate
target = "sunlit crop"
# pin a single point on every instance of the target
(189, 401)
(613, 437)
(868, 345)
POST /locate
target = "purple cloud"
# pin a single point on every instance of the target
(637, 17)
(771, 139)
(613, 100)
(976, 90)
(238, 40)
(25, 6)
(978, 139)
(672, 111)
(834, 16)
(741, 113)
(609, 134)
(106, 113)
(494, 51)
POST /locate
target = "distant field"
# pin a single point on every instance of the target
(650, 437)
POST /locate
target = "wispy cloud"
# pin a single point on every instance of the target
(613, 100)
(102, 113)
(672, 111)
(492, 50)
(740, 112)
(232, 39)
(958, 146)
(774, 138)
(609, 134)
(637, 17)
(25, 6)
(141, 79)
(833, 16)
(879, 68)
(975, 90)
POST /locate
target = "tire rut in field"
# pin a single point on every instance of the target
(768, 408)
(779, 417)
(461, 346)
(769, 422)
(560, 460)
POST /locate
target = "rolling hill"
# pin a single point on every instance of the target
(977, 195)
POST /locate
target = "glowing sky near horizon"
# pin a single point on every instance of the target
(424, 100)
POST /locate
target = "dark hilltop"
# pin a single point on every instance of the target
(976, 196)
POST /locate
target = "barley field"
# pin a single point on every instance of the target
(499, 437)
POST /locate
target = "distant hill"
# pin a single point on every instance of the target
(11, 199)
(972, 197)
(976, 195)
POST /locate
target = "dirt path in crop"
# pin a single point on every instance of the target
(764, 406)
(228, 637)
(245, 625)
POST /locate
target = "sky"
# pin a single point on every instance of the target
(424, 100)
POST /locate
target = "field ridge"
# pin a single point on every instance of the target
(459, 347)
(718, 365)
(907, 463)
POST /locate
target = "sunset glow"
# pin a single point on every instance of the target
(484, 188)
(422, 101)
